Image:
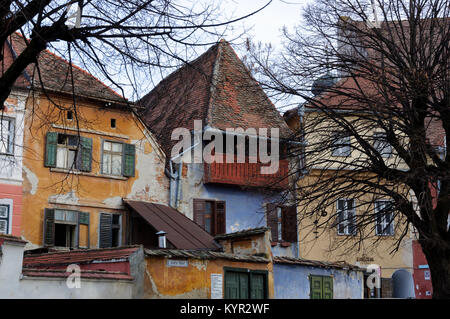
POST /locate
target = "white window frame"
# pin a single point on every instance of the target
(10, 135)
(381, 144)
(111, 153)
(9, 203)
(66, 148)
(347, 220)
(344, 149)
(384, 223)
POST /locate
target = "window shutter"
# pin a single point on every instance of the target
(199, 210)
(327, 284)
(257, 286)
(129, 154)
(50, 149)
(105, 231)
(289, 224)
(243, 285)
(85, 154)
(49, 227)
(231, 285)
(315, 283)
(220, 218)
(272, 220)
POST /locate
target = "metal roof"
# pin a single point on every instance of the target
(181, 232)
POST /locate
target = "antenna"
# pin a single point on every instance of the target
(374, 9)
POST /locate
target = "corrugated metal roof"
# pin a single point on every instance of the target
(79, 256)
(181, 232)
(314, 263)
(203, 254)
(243, 233)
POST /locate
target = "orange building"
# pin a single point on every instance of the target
(84, 151)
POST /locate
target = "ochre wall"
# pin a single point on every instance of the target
(193, 281)
(88, 192)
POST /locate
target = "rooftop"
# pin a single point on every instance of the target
(203, 254)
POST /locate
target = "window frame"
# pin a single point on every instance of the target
(215, 226)
(8, 217)
(347, 221)
(11, 134)
(339, 151)
(379, 137)
(68, 148)
(250, 272)
(383, 222)
(110, 152)
(113, 226)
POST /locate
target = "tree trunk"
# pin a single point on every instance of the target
(439, 262)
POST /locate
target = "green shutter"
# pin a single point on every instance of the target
(257, 286)
(129, 154)
(49, 227)
(85, 154)
(50, 149)
(105, 231)
(316, 287)
(243, 286)
(327, 287)
(83, 218)
(231, 285)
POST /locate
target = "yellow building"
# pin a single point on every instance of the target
(327, 224)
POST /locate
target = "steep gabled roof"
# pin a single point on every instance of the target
(217, 89)
(54, 74)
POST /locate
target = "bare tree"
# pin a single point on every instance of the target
(119, 39)
(375, 80)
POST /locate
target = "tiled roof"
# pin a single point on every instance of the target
(243, 233)
(216, 88)
(80, 256)
(314, 263)
(10, 238)
(86, 274)
(181, 232)
(203, 254)
(54, 75)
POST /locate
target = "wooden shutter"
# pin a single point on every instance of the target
(257, 286)
(243, 285)
(327, 287)
(199, 210)
(50, 149)
(105, 231)
(289, 224)
(49, 227)
(85, 154)
(315, 287)
(272, 220)
(220, 218)
(231, 285)
(129, 154)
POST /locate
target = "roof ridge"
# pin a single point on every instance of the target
(82, 250)
(214, 79)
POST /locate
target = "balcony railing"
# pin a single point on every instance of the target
(246, 174)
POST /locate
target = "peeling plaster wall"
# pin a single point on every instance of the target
(292, 281)
(193, 281)
(90, 192)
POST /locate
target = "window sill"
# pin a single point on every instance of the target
(282, 244)
(67, 171)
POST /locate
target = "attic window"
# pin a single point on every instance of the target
(113, 123)
(69, 115)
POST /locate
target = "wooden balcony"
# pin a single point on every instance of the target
(246, 174)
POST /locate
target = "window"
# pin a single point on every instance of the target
(113, 123)
(7, 136)
(282, 221)
(62, 227)
(210, 215)
(245, 284)
(321, 287)
(69, 115)
(381, 144)
(346, 217)
(4, 219)
(384, 218)
(118, 159)
(68, 152)
(341, 144)
(110, 230)
(427, 275)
